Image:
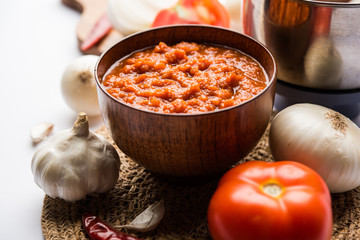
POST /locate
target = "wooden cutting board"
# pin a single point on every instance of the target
(91, 11)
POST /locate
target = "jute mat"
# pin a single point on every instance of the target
(186, 205)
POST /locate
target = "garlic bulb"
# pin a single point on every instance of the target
(78, 85)
(75, 162)
(320, 138)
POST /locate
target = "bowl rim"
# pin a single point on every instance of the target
(272, 80)
(334, 4)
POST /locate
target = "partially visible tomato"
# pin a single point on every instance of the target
(275, 201)
(321, 22)
(210, 12)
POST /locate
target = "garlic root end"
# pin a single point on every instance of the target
(81, 125)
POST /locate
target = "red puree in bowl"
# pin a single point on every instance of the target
(185, 78)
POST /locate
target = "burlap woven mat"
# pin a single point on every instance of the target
(186, 205)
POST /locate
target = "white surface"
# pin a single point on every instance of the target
(37, 41)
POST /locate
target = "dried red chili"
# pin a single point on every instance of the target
(97, 229)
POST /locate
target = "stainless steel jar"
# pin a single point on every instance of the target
(316, 43)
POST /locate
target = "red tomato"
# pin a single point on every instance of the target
(210, 12)
(262, 200)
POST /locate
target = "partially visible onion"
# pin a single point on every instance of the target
(320, 138)
(130, 16)
(234, 9)
(78, 85)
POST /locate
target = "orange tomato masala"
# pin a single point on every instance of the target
(185, 78)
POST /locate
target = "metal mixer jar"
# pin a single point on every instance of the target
(316, 45)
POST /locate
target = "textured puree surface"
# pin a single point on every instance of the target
(185, 78)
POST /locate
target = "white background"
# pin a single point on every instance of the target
(37, 41)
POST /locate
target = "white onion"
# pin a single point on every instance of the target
(135, 15)
(320, 138)
(79, 87)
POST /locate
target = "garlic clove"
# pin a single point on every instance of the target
(40, 131)
(147, 220)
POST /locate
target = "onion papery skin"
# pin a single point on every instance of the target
(320, 138)
(131, 16)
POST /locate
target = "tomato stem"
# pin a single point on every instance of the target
(272, 189)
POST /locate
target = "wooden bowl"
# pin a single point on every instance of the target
(187, 145)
